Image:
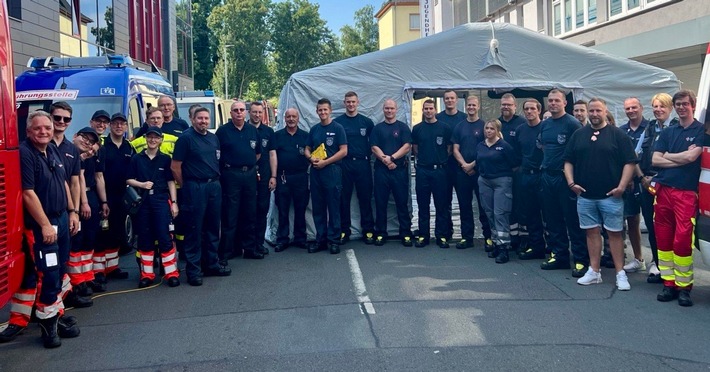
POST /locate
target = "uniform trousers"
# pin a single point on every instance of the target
(238, 212)
(292, 189)
(357, 176)
(395, 182)
(326, 189)
(202, 202)
(561, 219)
(434, 183)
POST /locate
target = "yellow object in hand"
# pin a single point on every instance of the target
(319, 152)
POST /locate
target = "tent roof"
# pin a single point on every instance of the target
(465, 58)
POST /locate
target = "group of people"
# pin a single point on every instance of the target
(542, 187)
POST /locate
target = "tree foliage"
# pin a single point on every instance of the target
(205, 46)
(363, 37)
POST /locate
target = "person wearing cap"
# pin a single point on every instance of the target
(155, 119)
(196, 169)
(117, 154)
(149, 171)
(99, 121)
(173, 125)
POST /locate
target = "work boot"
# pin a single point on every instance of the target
(10, 333)
(85, 290)
(343, 239)
(502, 256)
(407, 241)
(99, 284)
(553, 263)
(334, 249)
(369, 238)
(50, 337)
(464, 243)
(494, 252)
(684, 298)
(74, 300)
(489, 246)
(531, 254)
(380, 240)
(120, 274)
(668, 294)
(67, 327)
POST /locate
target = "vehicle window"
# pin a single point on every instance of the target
(134, 116)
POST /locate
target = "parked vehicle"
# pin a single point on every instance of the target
(701, 113)
(219, 108)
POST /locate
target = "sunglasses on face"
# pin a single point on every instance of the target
(61, 119)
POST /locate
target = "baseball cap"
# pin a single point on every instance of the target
(100, 113)
(118, 115)
(154, 130)
(90, 131)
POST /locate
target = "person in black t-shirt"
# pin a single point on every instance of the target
(450, 117)
(266, 173)
(171, 124)
(599, 164)
(431, 144)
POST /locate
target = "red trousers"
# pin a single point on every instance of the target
(674, 221)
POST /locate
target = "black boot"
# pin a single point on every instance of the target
(503, 254)
(494, 252)
(74, 300)
(50, 337)
(67, 327)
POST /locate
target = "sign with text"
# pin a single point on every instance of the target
(426, 12)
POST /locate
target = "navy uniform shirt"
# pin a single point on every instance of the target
(93, 165)
(176, 127)
(508, 128)
(46, 176)
(332, 135)
(157, 170)
(357, 130)
(654, 130)
(199, 154)
(116, 164)
(289, 151)
(266, 137)
(677, 139)
(451, 120)
(554, 134)
(497, 160)
(468, 135)
(431, 140)
(390, 138)
(238, 147)
(599, 157)
(70, 157)
(528, 146)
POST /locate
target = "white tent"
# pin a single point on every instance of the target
(497, 57)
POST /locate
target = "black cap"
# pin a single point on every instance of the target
(90, 131)
(118, 115)
(100, 113)
(154, 130)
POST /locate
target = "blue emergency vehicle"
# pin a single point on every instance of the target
(109, 82)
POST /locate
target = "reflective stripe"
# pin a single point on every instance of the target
(148, 269)
(147, 256)
(74, 270)
(169, 257)
(170, 269)
(85, 268)
(47, 311)
(112, 262)
(110, 255)
(180, 237)
(24, 296)
(19, 308)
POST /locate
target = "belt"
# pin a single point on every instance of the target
(238, 168)
(530, 170)
(157, 191)
(431, 167)
(357, 157)
(552, 172)
(202, 180)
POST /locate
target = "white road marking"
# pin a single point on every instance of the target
(359, 283)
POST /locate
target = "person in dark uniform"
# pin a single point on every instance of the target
(465, 138)
(44, 187)
(451, 117)
(510, 122)
(391, 142)
(357, 170)
(195, 167)
(239, 152)
(559, 202)
(118, 152)
(171, 124)
(327, 145)
(291, 181)
(431, 145)
(150, 171)
(265, 173)
(529, 150)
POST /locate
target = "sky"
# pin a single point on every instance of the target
(339, 13)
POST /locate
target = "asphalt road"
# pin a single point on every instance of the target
(405, 309)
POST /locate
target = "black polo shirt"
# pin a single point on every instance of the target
(117, 161)
(528, 147)
(495, 161)
(157, 170)
(357, 129)
(45, 174)
(451, 120)
(390, 137)
(509, 127)
(431, 140)
(70, 157)
(554, 134)
(176, 127)
(266, 138)
(674, 140)
(93, 165)
(199, 154)
(468, 135)
(332, 135)
(238, 147)
(289, 151)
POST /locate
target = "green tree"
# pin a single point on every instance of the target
(104, 35)
(241, 24)
(300, 39)
(204, 44)
(363, 37)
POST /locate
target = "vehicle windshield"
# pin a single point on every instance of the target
(82, 109)
(184, 108)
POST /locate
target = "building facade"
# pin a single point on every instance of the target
(155, 33)
(398, 22)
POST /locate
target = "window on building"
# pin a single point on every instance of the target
(632, 4)
(415, 21)
(568, 15)
(184, 37)
(98, 28)
(623, 8)
(145, 31)
(557, 18)
(615, 7)
(477, 10)
(592, 12)
(14, 9)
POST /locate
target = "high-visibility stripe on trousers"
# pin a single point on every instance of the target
(169, 261)
(99, 262)
(80, 266)
(674, 222)
(111, 259)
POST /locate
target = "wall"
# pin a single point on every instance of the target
(36, 34)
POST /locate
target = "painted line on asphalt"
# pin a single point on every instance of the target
(359, 284)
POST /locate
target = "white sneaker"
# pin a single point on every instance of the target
(653, 269)
(622, 281)
(635, 266)
(590, 277)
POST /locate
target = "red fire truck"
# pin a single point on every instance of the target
(11, 256)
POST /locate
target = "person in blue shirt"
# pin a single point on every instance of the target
(265, 175)
(509, 124)
(496, 161)
(326, 177)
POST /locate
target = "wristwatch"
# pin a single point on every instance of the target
(174, 201)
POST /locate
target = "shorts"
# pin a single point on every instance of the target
(597, 212)
(632, 204)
